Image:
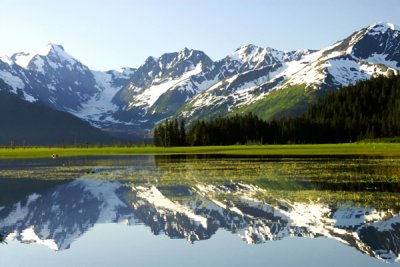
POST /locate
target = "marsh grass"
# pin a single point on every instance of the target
(368, 181)
(371, 149)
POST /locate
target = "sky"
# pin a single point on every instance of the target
(109, 34)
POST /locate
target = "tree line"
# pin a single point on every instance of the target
(366, 110)
(170, 133)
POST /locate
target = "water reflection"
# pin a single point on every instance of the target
(58, 216)
(3, 237)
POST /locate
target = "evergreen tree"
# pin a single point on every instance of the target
(368, 109)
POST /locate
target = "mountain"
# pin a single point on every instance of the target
(288, 88)
(60, 81)
(188, 84)
(193, 213)
(99, 109)
(161, 86)
(25, 123)
(53, 77)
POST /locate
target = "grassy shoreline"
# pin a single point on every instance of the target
(368, 149)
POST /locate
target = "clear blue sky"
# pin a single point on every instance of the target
(107, 34)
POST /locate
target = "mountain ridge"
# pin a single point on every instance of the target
(189, 84)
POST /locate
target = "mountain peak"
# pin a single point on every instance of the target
(184, 53)
(245, 51)
(23, 59)
(185, 50)
(50, 47)
(192, 54)
(150, 59)
(46, 50)
(378, 39)
(55, 47)
(253, 53)
(382, 27)
(246, 46)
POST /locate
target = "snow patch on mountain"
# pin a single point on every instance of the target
(14, 81)
(150, 95)
(100, 105)
(347, 72)
(194, 87)
(99, 108)
(255, 56)
(124, 72)
(248, 53)
(382, 59)
(7, 60)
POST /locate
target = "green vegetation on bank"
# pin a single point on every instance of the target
(371, 149)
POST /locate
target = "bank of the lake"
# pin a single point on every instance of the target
(370, 149)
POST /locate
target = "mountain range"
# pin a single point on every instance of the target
(189, 84)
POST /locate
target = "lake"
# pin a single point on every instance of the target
(200, 210)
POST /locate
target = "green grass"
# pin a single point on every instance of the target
(282, 103)
(370, 149)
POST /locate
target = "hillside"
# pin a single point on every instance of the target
(25, 123)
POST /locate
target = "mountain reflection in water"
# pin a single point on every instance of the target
(60, 215)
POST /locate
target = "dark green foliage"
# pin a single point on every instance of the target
(170, 133)
(368, 109)
(226, 131)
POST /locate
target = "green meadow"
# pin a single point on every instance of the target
(369, 149)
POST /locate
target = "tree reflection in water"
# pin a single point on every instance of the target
(3, 237)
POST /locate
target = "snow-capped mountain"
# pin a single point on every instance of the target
(160, 100)
(52, 76)
(366, 53)
(189, 84)
(195, 213)
(160, 85)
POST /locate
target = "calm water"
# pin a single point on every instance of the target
(200, 211)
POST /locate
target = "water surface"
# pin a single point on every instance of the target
(200, 210)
